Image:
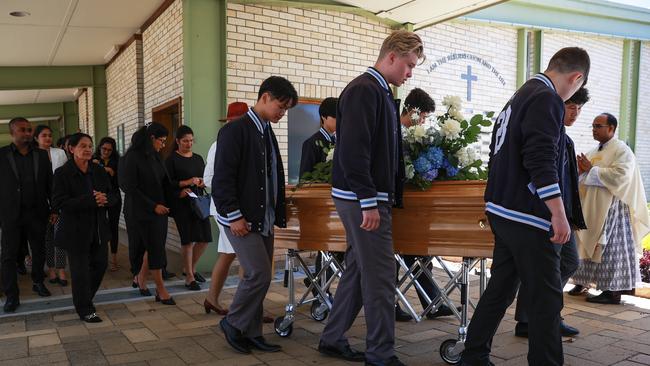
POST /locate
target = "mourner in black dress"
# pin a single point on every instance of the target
(146, 184)
(82, 193)
(185, 170)
(107, 157)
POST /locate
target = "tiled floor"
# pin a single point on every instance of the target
(147, 333)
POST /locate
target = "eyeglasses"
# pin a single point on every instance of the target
(598, 126)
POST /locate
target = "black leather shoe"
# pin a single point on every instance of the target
(444, 310)
(193, 286)
(401, 315)
(568, 331)
(199, 277)
(144, 291)
(393, 361)
(11, 305)
(166, 275)
(577, 290)
(234, 337)
(260, 344)
(41, 290)
(521, 330)
(344, 353)
(91, 318)
(169, 301)
(606, 297)
(63, 283)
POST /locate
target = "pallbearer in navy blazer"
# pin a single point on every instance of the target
(366, 169)
(526, 211)
(248, 191)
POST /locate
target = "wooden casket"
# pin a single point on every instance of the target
(446, 220)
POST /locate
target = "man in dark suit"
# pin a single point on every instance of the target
(25, 188)
(313, 148)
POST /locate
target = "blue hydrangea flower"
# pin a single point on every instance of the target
(435, 156)
(422, 164)
(449, 168)
(430, 175)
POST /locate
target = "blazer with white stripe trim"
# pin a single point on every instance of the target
(239, 181)
(527, 155)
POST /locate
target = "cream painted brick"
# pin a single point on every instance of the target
(642, 147)
(604, 79)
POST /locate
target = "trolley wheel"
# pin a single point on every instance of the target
(317, 313)
(282, 332)
(447, 355)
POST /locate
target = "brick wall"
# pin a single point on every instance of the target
(490, 51)
(86, 112)
(643, 117)
(125, 91)
(604, 82)
(319, 51)
(163, 59)
(162, 56)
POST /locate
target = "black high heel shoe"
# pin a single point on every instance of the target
(145, 292)
(169, 301)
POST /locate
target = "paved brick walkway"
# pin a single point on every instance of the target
(147, 333)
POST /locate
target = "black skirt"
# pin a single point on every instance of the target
(191, 229)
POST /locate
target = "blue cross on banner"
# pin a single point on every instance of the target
(469, 77)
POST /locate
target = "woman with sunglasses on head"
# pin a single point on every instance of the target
(82, 193)
(55, 257)
(145, 182)
(107, 157)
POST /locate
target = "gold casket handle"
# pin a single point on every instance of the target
(482, 223)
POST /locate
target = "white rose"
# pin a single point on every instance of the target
(330, 155)
(452, 101)
(466, 156)
(450, 129)
(410, 170)
(419, 132)
(456, 114)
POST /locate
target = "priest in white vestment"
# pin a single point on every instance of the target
(615, 210)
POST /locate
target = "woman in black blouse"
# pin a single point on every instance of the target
(107, 157)
(185, 170)
(82, 193)
(145, 183)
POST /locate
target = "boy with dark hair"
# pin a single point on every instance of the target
(312, 148)
(569, 254)
(420, 100)
(526, 211)
(248, 193)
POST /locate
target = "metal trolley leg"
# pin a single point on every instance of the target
(452, 349)
(284, 324)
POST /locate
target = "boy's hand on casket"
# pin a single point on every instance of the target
(371, 219)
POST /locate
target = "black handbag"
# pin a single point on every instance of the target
(201, 205)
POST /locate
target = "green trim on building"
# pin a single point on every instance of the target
(538, 37)
(204, 82)
(70, 117)
(522, 56)
(45, 77)
(591, 16)
(100, 102)
(629, 92)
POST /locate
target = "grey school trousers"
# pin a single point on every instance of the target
(368, 281)
(255, 253)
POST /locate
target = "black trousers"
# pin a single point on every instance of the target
(88, 263)
(32, 228)
(569, 262)
(425, 282)
(521, 252)
(114, 225)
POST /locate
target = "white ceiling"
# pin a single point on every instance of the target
(68, 32)
(421, 12)
(37, 96)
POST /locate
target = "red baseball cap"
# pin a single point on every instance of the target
(235, 110)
